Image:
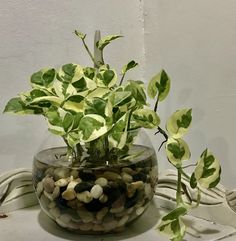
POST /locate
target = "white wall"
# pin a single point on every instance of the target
(193, 40)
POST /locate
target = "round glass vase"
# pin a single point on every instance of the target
(95, 197)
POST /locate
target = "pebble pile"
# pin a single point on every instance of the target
(94, 201)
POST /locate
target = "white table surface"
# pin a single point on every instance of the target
(33, 224)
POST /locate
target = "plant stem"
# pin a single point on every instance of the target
(88, 51)
(178, 193)
(156, 104)
(122, 78)
(98, 54)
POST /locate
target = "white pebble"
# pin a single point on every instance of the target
(96, 191)
(39, 188)
(48, 195)
(52, 205)
(61, 173)
(102, 213)
(101, 181)
(62, 182)
(72, 184)
(86, 216)
(86, 226)
(56, 192)
(103, 198)
(117, 210)
(61, 223)
(126, 177)
(110, 225)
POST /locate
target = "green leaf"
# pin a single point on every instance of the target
(159, 86)
(193, 181)
(49, 76)
(177, 151)
(106, 40)
(53, 117)
(132, 64)
(146, 118)
(70, 73)
(17, 106)
(67, 122)
(179, 122)
(79, 34)
(92, 126)
(89, 72)
(207, 172)
(106, 77)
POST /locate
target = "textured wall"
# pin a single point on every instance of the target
(193, 40)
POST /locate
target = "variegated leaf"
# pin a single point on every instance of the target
(106, 40)
(207, 172)
(146, 118)
(177, 151)
(118, 134)
(74, 103)
(172, 226)
(80, 34)
(106, 78)
(43, 78)
(132, 64)
(179, 122)
(92, 126)
(159, 86)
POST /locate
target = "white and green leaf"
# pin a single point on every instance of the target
(106, 40)
(179, 122)
(132, 64)
(177, 151)
(159, 86)
(172, 226)
(146, 118)
(43, 78)
(80, 34)
(106, 78)
(207, 172)
(92, 126)
(137, 90)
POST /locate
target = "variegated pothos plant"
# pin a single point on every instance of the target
(90, 108)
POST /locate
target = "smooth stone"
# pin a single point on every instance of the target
(61, 223)
(56, 192)
(72, 184)
(101, 181)
(49, 171)
(55, 212)
(117, 210)
(128, 170)
(62, 182)
(121, 214)
(113, 193)
(86, 216)
(96, 191)
(119, 202)
(72, 204)
(123, 221)
(102, 213)
(130, 210)
(83, 186)
(130, 202)
(112, 176)
(138, 184)
(52, 204)
(84, 197)
(94, 206)
(126, 177)
(48, 195)
(44, 201)
(140, 210)
(139, 203)
(130, 191)
(86, 175)
(74, 173)
(48, 184)
(61, 173)
(85, 226)
(103, 198)
(110, 225)
(61, 202)
(39, 188)
(69, 194)
(65, 218)
(97, 227)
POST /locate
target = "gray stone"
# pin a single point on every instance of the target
(86, 216)
(96, 191)
(97, 227)
(101, 181)
(112, 176)
(126, 177)
(48, 195)
(102, 213)
(85, 226)
(61, 223)
(65, 218)
(56, 192)
(140, 210)
(123, 221)
(39, 188)
(48, 184)
(55, 212)
(61, 173)
(117, 210)
(110, 225)
(103, 198)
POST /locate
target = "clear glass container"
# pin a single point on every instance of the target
(95, 196)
